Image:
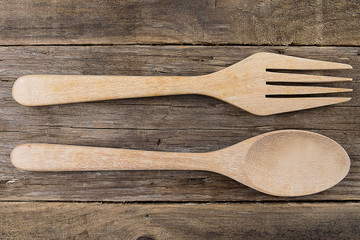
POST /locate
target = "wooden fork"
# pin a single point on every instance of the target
(244, 84)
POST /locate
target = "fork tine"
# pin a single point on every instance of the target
(290, 77)
(281, 105)
(279, 90)
(278, 61)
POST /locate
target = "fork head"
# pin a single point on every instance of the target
(247, 84)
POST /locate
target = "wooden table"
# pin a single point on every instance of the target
(169, 37)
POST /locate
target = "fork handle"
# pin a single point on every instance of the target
(55, 157)
(37, 90)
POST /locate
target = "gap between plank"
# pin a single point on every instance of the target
(189, 202)
(173, 44)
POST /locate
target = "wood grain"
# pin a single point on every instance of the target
(179, 221)
(178, 123)
(291, 22)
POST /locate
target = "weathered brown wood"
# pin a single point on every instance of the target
(323, 22)
(177, 123)
(179, 221)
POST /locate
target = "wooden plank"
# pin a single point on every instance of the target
(179, 221)
(290, 22)
(175, 123)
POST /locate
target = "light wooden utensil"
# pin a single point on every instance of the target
(244, 84)
(280, 163)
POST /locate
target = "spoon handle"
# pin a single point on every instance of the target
(54, 157)
(37, 90)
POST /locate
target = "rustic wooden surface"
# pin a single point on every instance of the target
(179, 221)
(322, 22)
(176, 123)
(163, 37)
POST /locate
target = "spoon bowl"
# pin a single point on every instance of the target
(288, 163)
(281, 163)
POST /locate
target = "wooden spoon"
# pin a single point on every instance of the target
(247, 84)
(280, 163)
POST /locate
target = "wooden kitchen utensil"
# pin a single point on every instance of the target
(244, 84)
(280, 163)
